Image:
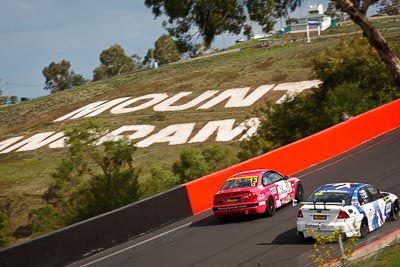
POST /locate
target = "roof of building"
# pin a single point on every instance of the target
(314, 16)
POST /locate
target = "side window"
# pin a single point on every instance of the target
(266, 180)
(375, 194)
(275, 177)
(363, 196)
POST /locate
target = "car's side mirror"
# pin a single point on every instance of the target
(285, 177)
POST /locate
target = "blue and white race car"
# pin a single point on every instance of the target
(356, 208)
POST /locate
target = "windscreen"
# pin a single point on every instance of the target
(240, 182)
(331, 196)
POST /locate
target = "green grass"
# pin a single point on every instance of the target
(24, 176)
(388, 257)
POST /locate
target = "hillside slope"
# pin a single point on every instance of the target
(25, 175)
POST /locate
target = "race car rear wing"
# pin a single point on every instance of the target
(315, 203)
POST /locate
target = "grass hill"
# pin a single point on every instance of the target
(24, 176)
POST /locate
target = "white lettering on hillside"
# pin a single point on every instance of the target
(34, 142)
(294, 88)
(8, 142)
(154, 99)
(173, 135)
(237, 97)
(140, 131)
(58, 143)
(224, 129)
(92, 109)
(250, 126)
(176, 134)
(167, 105)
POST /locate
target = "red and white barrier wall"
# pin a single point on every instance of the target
(304, 153)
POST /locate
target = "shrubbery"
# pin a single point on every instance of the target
(355, 80)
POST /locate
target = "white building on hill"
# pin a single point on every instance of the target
(315, 18)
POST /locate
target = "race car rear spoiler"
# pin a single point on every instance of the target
(315, 203)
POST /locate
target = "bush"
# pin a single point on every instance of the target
(354, 80)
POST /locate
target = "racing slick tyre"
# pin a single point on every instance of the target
(299, 192)
(364, 230)
(395, 211)
(270, 209)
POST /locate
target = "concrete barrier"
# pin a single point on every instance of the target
(91, 236)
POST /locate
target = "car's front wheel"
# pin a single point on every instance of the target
(270, 209)
(395, 211)
(299, 192)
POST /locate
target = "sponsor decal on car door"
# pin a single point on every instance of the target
(283, 188)
(374, 215)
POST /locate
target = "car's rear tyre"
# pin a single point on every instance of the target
(299, 192)
(364, 230)
(270, 209)
(395, 211)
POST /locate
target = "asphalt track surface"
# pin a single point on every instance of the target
(258, 241)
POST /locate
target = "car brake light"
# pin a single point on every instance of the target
(343, 215)
(217, 200)
(251, 196)
(299, 214)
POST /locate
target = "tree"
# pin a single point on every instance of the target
(357, 12)
(333, 11)
(5, 236)
(324, 248)
(194, 163)
(354, 81)
(210, 18)
(137, 61)
(213, 17)
(191, 166)
(74, 80)
(92, 179)
(56, 74)
(46, 219)
(165, 50)
(114, 62)
(162, 178)
(5, 214)
(59, 77)
(389, 7)
(291, 21)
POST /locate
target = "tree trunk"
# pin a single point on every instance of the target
(375, 38)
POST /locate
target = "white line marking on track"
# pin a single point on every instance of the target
(140, 243)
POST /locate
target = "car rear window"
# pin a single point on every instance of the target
(331, 196)
(240, 182)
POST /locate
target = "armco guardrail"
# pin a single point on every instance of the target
(88, 237)
(74, 242)
(303, 153)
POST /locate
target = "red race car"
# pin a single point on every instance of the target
(256, 191)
